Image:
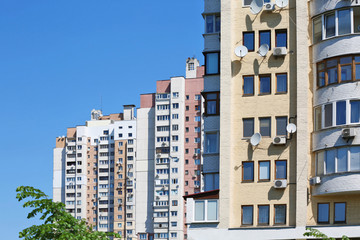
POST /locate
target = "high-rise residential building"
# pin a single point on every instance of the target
(301, 68)
(94, 171)
(169, 154)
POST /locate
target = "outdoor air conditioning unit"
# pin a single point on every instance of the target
(269, 6)
(280, 51)
(280, 183)
(348, 133)
(315, 181)
(279, 140)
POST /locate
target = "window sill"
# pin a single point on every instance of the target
(204, 222)
(264, 94)
(281, 93)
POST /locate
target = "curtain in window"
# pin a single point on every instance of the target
(280, 169)
(263, 214)
(280, 214)
(340, 112)
(209, 23)
(330, 161)
(340, 209)
(211, 210)
(355, 111)
(320, 158)
(281, 83)
(342, 159)
(212, 64)
(355, 159)
(328, 115)
(211, 142)
(199, 211)
(247, 212)
(330, 25)
(344, 21)
(317, 30)
(264, 172)
(248, 171)
(249, 85)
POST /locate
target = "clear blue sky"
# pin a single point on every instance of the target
(58, 57)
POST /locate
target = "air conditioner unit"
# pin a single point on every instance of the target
(196, 186)
(280, 183)
(348, 133)
(269, 6)
(279, 140)
(279, 51)
(315, 181)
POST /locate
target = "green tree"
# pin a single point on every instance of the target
(312, 232)
(58, 224)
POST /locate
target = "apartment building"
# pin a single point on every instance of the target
(169, 162)
(300, 68)
(94, 171)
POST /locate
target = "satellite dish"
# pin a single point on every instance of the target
(255, 139)
(241, 51)
(256, 6)
(291, 128)
(281, 3)
(263, 50)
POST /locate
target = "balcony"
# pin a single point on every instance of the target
(338, 184)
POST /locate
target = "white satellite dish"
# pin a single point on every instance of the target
(263, 50)
(255, 139)
(256, 6)
(291, 128)
(281, 3)
(241, 51)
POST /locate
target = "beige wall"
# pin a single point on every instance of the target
(235, 107)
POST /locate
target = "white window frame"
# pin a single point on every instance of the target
(206, 206)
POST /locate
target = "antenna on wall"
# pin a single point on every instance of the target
(281, 3)
(256, 6)
(241, 51)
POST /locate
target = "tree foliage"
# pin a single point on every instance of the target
(312, 232)
(58, 224)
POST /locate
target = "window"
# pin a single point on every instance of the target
(340, 112)
(265, 126)
(212, 63)
(197, 129)
(265, 84)
(280, 214)
(247, 215)
(339, 212)
(174, 213)
(317, 30)
(318, 118)
(175, 105)
(330, 25)
(173, 224)
(246, 3)
(264, 170)
(175, 127)
(206, 210)
(248, 171)
(173, 235)
(197, 108)
(175, 116)
(175, 148)
(265, 38)
(197, 97)
(328, 115)
(323, 213)
(281, 123)
(163, 117)
(212, 24)
(175, 94)
(248, 86)
(211, 143)
(175, 138)
(174, 202)
(355, 111)
(212, 103)
(248, 127)
(337, 70)
(281, 83)
(280, 169)
(163, 107)
(197, 118)
(248, 40)
(187, 97)
(281, 38)
(263, 214)
(196, 140)
(186, 119)
(174, 170)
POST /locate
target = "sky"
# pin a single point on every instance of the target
(59, 59)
